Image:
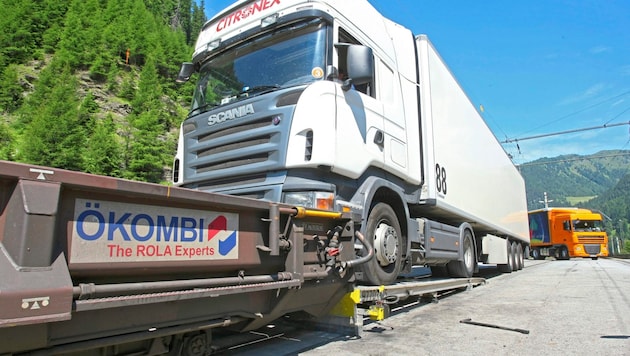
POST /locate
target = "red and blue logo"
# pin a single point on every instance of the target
(217, 226)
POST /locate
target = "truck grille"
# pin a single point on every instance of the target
(225, 155)
(592, 249)
(591, 239)
(242, 145)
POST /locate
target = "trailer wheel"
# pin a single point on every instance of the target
(383, 231)
(520, 257)
(465, 268)
(509, 267)
(512, 259)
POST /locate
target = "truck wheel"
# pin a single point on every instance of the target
(465, 268)
(536, 254)
(383, 231)
(195, 345)
(520, 257)
(509, 267)
(563, 253)
(513, 252)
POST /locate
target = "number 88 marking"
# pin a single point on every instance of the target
(440, 178)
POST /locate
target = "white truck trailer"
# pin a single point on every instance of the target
(328, 104)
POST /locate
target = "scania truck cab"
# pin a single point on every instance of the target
(329, 105)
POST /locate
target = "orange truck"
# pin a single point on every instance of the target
(567, 232)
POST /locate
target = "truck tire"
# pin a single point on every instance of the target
(563, 253)
(383, 232)
(520, 257)
(465, 268)
(509, 267)
(195, 344)
(513, 252)
(536, 254)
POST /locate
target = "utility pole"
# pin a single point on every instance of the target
(546, 201)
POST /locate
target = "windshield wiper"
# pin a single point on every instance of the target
(259, 89)
(203, 108)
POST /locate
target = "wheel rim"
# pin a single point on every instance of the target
(386, 243)
(468, 255)
(384, 232)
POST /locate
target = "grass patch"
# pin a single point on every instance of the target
(574, 201)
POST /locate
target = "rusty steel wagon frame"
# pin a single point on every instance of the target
(57, 294)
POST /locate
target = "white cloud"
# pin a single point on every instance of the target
(599, 49)
(618, 102)
(589, 93)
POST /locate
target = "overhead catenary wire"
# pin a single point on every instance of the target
(582, 110)
(510, 140)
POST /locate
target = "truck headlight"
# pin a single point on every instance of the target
(314, 200)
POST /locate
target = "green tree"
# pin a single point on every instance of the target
(17, 38)
(49, 22)
(6, 142)
(146, 156)
(117, 36)
(87, 109)
(10, 89)
(54, 137)
(103, 153)
(149, 93)
(127, 89)
(131, 28)
(198, 19)
(146, 149)
(81, 38)
(48, 79)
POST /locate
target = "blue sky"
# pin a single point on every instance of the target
(536, 67)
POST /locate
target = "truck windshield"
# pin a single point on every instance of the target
(290, 56)
(588, 225)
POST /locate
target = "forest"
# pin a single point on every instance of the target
(88, 85)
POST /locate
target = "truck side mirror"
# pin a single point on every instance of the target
(185, 72)
(360, 62)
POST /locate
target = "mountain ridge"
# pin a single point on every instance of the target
(573, 175)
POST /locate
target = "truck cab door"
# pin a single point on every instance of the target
(360, 135)
(566, 225)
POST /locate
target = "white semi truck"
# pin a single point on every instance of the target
(329, 105)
